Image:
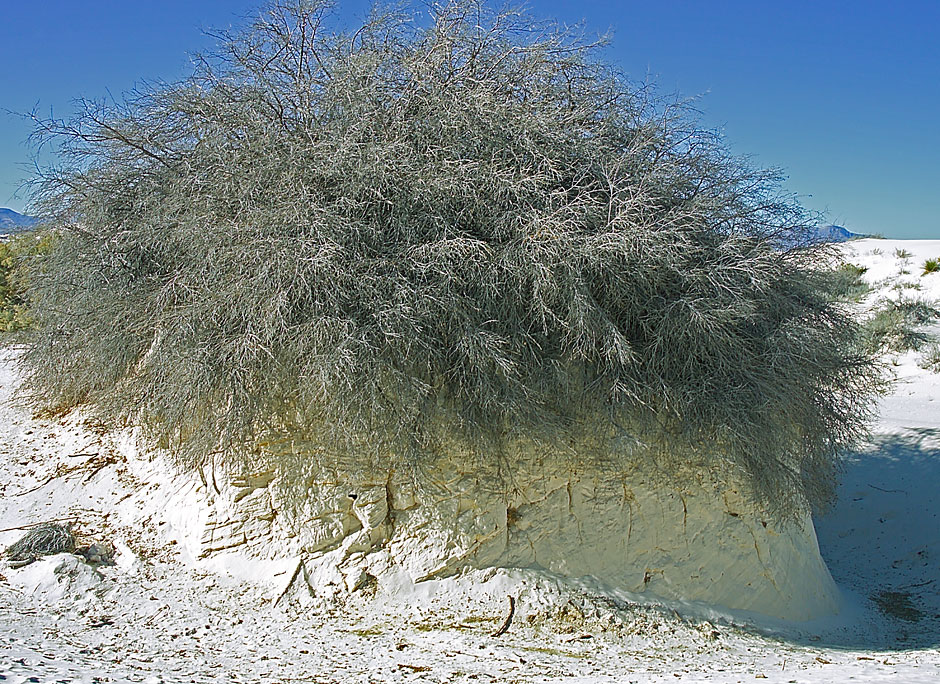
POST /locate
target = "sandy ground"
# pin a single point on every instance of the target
(158, 615)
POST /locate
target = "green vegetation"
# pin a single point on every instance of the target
(401, 238)
(848, 283)
(902, 254)
(16, 255)
(930, 360)
(896, 326)
(931, 266)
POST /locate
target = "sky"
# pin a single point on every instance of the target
(842, 95)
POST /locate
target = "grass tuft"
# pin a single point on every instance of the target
(897, 326)
(848, 282)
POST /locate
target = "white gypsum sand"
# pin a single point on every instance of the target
(697, 539)
(161, 613)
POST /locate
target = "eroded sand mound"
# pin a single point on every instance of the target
(699, 541)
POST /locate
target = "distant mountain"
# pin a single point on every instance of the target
(833, 233)
(14, 222)
(816, 235)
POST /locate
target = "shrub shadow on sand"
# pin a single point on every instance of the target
(882, 539)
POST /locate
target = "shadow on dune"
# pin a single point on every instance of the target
(882, 542)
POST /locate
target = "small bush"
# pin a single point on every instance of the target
(896, 326)
(931, 266)
(43, 540)
(848, 283)
(16, 254)
(903, 285)
(931, 358)
(902, 254)
(391, 239)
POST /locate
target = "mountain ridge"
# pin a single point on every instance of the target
(14, 222)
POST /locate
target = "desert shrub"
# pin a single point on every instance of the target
(466, 227)
(902, 285)
(11, 303)
(16, 255)
(897, 326)
(42, 540)
(931, 266)
(848, 284)
(930, 359)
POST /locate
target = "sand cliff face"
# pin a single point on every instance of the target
(696, 541)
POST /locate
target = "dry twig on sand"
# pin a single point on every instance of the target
(508, 621)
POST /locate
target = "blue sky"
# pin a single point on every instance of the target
(843, 95)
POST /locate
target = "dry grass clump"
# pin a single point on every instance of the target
(930, 360)
(464, 228)
(898, 326)
(42, 540)
(848, 283)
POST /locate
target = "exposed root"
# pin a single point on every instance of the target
(508, 621)
(290, 582)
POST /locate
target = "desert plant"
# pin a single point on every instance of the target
(848, 283)
(42, 540)
(902, 285)
(931, 266)
(902, 254)
(16, 254)
(464, 229)
(930, 359)
(11, 304)
(897, 326)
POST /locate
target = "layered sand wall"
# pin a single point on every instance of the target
(695, 540)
